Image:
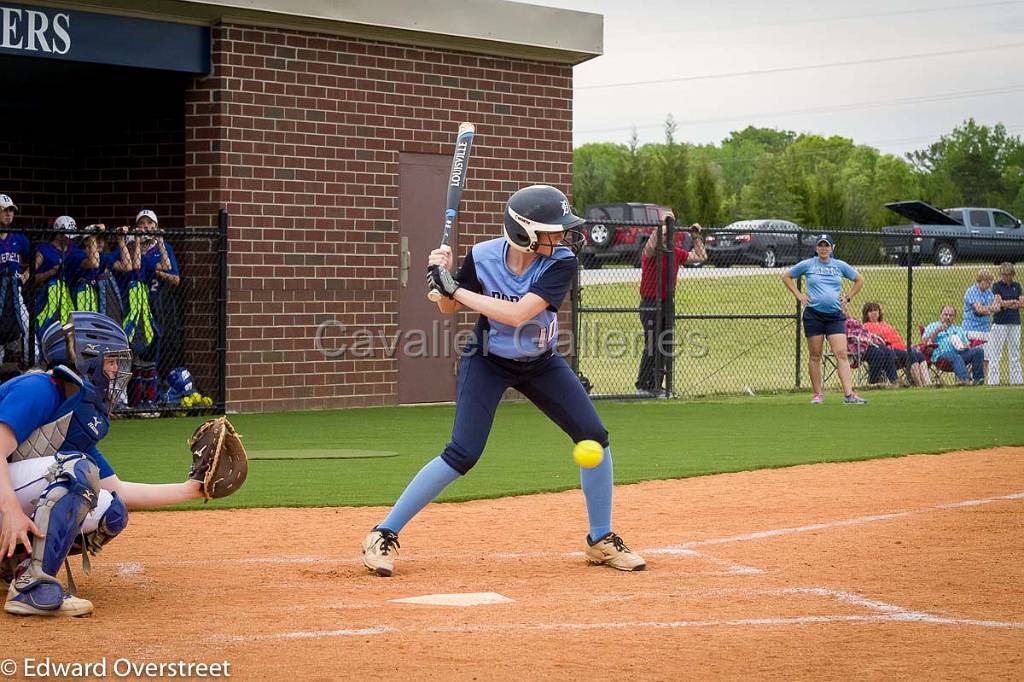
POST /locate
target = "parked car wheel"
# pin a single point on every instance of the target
(769, 259)
(945, 254)
(601, 235)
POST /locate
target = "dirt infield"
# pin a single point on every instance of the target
(899, 568)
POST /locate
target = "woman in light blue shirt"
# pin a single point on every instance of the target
(979, 306)
(824, 313)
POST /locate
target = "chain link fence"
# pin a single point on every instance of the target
(166, 288)
(728, 325)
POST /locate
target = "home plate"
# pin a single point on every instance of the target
(462, 599)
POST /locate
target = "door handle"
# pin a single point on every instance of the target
(404, 258)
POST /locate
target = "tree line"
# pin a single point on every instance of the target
(812, 180)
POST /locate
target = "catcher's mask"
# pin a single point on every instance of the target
(96, 348)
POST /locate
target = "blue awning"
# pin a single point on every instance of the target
(52, 33)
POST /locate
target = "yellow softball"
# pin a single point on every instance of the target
(588, 453)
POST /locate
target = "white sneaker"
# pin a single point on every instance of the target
(377, 551)
(21, 605)
(612, 551)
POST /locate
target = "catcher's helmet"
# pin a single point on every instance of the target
(536, 209)
(179, 385)
(84, 343)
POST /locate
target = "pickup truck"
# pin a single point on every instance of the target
(943, 237)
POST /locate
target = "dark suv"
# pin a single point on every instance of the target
(616, 233)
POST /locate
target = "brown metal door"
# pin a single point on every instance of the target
(426, 355)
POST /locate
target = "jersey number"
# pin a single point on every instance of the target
(546, 334)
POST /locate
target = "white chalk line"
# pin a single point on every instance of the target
(684, 549)
(884, 613)
(855, 521)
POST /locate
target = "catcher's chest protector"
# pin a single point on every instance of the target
(76, 426)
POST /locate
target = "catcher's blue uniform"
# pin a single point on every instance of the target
(45, 423)
(56, 472)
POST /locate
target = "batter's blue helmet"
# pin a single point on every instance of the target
(84, 343)
(536, 209)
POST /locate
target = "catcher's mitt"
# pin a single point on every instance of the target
(218, 458)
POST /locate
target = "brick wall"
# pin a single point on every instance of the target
(299, 136)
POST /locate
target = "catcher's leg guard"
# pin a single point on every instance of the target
(60, 512)
(113, 518)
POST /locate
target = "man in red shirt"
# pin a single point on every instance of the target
(659, 333)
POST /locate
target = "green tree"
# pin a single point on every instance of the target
(895, 180)
(595, 166)
(630, 182)
(673, 171)
(707, 196)
(769, 194)
(973, 159)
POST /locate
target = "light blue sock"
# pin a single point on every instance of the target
(434, 477)
(597, 489)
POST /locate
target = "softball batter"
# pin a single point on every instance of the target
(516, 283)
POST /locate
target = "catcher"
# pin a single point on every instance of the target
(58, 493)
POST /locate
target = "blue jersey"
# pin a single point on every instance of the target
(73, 259)
(824, 281)
(91, 275)
(44, 422)
(150, 260)
(486, 272)
(14, 252)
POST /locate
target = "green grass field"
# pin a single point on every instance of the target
(759, 354)
(527, 454)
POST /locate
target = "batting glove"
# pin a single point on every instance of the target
(441, 281)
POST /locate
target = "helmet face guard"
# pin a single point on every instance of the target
(87, 342)
(540, 209)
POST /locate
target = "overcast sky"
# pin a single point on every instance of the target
(702, 53)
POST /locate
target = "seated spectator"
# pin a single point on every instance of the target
(14, 255)
(53, 299)
(909, 359)
(979, 306)
(953, 345)
(872, 349)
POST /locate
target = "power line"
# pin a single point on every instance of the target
(853, 106)
(808, 67)
(825, 20)
(827, 148)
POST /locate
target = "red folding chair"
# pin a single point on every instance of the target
(940, 366)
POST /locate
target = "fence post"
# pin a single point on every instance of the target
(910, 293)
(574, 317)
(670, 300)
(222, 307)
(30, 306)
